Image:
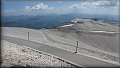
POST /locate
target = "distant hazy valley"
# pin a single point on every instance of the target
(48, 21)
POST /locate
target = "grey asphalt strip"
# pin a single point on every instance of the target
(76, 58)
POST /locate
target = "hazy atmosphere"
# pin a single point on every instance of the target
(57, 33)
(14, 7)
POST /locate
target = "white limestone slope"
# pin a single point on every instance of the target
(13, 54)
(96, 39)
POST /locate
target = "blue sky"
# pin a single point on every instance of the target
(36, 7)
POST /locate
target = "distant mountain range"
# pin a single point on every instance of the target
(48, 21)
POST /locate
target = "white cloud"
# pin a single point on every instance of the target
(10, 11)
(27, 8)
(103, 3)
(95, 4)
(37, 7)
(40, 6)
(118, 4)
(84, 6)
(60, 1)
(109, 7)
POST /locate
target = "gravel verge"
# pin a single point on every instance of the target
(14, 55)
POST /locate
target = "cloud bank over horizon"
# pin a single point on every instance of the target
(100, 7)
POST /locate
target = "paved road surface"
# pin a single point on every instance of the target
(76, 58)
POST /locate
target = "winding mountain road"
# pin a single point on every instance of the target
(77, 59)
